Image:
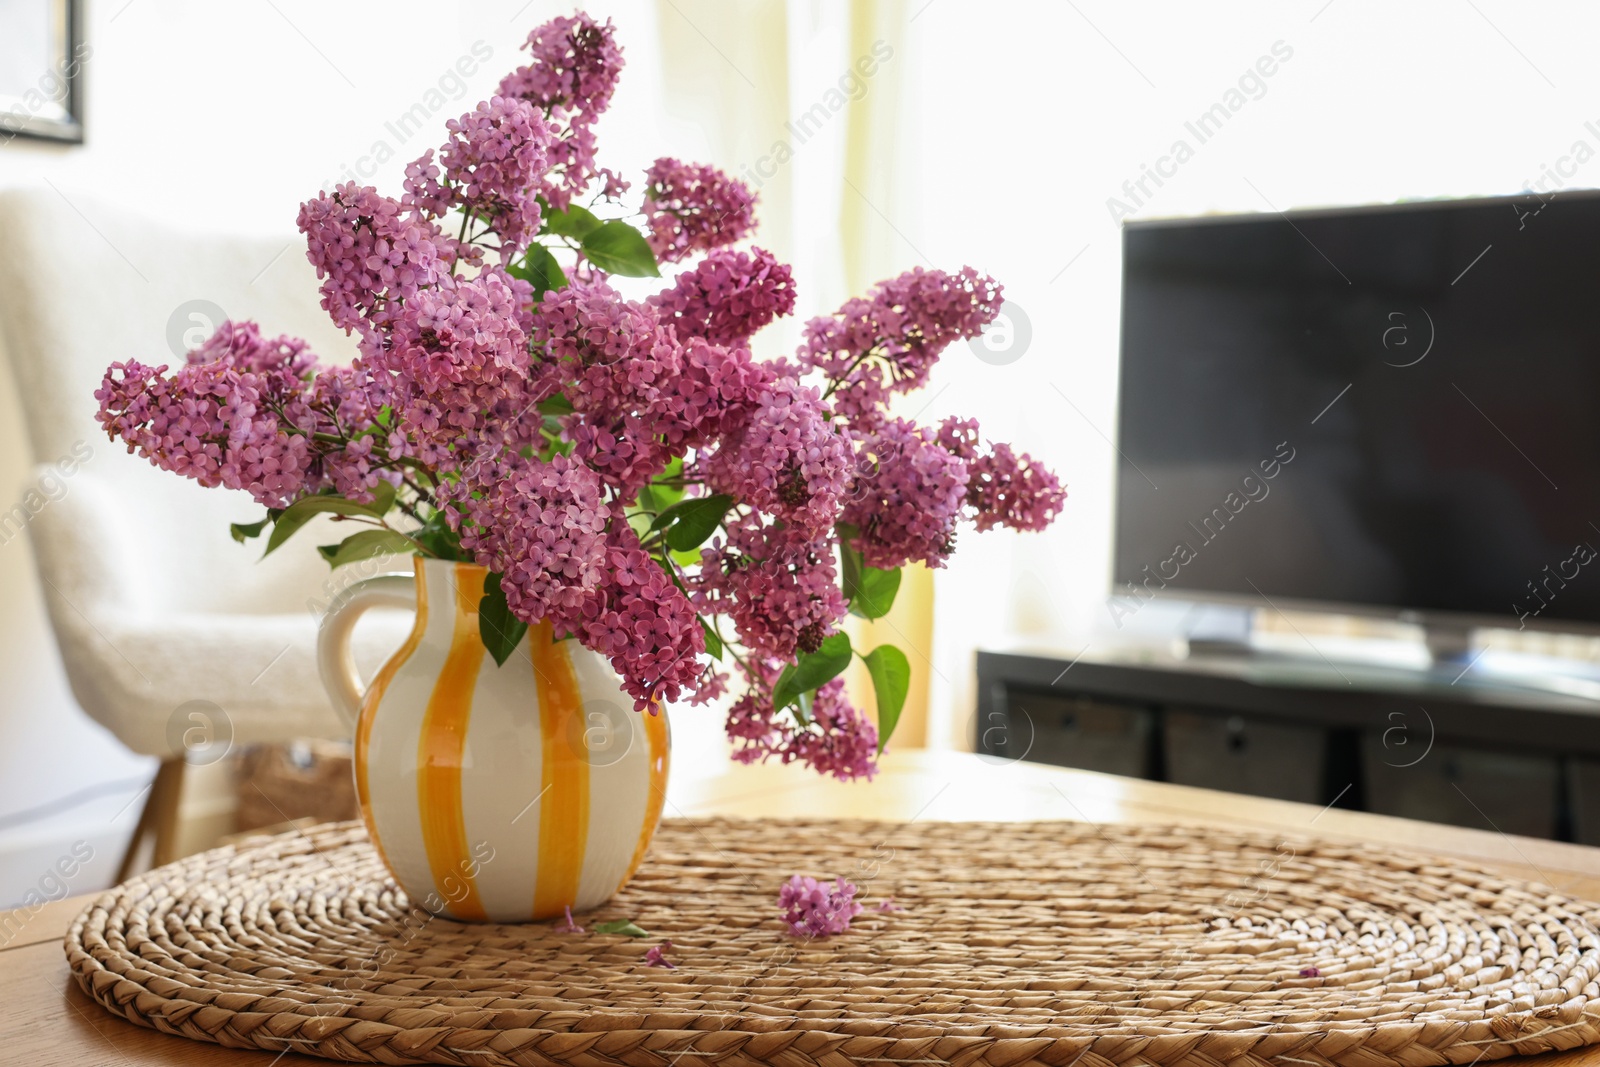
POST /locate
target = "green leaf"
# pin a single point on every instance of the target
(243, 531)
(785, 691)
(639, 522)
(713, 642)
(667, 516)
(501, 631)
(554, 442)
(812, 669)
(652, 502)
(625, 927)
(540, 270)
(368, 544)
(660, 495)
(802, 709)
(555, 404)
(617, 248)
(849, 563)
(891, 681)
(872, 592)
(383, 495)
(385, 416)
(436, 538)
(576, 222)
(303, 511)
(695, 520)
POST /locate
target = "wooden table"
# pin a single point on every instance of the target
(45, 1021)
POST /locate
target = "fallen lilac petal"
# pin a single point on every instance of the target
(815, 909)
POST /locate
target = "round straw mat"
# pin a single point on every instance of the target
(1064, 944)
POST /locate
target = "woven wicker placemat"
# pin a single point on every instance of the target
(1052, 943)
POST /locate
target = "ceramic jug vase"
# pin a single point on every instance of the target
(493, 793)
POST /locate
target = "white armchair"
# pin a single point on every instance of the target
(160, 617)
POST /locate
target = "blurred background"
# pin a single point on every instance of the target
(1009, 135)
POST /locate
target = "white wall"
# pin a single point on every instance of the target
(226, 117)
(1033, 115)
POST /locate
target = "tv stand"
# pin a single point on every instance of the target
(1219, 630)
(1496, 741)
(1230, 630)
(1448, 644)
(1447, 655)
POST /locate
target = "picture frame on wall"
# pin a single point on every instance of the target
(42, 54)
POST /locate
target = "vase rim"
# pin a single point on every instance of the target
(448, 562)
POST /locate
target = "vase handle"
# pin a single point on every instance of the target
(336, 661)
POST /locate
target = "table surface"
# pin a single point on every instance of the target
(46, 1021)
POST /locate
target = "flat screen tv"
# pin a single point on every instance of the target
(1386, 409)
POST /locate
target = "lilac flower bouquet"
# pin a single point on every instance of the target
(624, 469)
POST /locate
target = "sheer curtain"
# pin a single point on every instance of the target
(805, 102)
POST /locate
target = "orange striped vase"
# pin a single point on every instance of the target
(494, 793)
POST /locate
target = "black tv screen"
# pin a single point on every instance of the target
(1393, 408)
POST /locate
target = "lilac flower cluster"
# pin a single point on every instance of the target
(888, 341)
(643, 622)
(576, 62)
(609, 353)
(729, 297)
(842, 741)
(230, 417)
(694, 208)
(628, 469)
(541, 525)
(494, 156)
(646, 397)
(815, 909)
(776, 582)
(787, 458)
(838, 740)
(907, 498)
(370, 251)
(452, 364)
(1003, 488)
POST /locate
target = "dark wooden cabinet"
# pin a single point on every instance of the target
(1467, 751)
(1244, 754)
